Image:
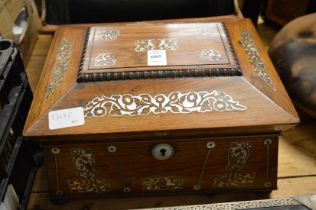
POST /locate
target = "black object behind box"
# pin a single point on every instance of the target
(18, 159)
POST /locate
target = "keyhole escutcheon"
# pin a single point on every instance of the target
(162, 151)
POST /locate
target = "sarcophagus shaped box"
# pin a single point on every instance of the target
(159, 107)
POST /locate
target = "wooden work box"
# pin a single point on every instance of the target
(190, 106)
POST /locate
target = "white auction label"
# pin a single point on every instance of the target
(65, 118)
(156, 58)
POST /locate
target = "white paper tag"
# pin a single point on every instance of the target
(156, 58)
(65, 118)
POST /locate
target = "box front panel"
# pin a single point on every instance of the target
(162, 166)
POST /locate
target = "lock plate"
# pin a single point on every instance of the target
(162, 151)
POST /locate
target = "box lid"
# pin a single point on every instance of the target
(180, 77)
(123, 52)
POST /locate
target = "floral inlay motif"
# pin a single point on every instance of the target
(109, 34)
(175, 102)
(105, 59)
(85, 166)
(143, 45)
(168, 44)
(238, 155)
(60, 68)
(163, 183)
(254, 58)
(211, 55)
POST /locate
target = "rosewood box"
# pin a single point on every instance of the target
(189, 106)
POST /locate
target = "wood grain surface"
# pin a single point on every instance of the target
(296, 169)
(239, 114)
(248, 89)
(132, 43)
(233, 164)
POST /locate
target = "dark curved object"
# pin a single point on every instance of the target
(293, 52)
(93, 11)
(252, 9)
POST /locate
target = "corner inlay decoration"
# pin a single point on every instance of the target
(163, 183)
(109, 34)
(175, 102)
(85, 166)
(211, 55)
(238, 155)
(105, 59)
(62, 61)
(255, 60)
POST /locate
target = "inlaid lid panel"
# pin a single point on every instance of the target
(123, 52)
(231, 89)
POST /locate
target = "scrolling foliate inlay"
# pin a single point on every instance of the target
(163, 183)
(85, 166)
(175, 102)
(60, 68)
(238, 155)
(254, 58)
